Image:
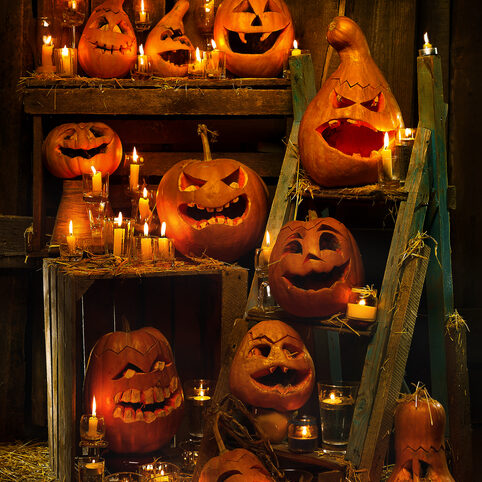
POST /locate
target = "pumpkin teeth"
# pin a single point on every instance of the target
(178, 57)
(242, 37)
(281, 378)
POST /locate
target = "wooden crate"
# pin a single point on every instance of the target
(194, 308)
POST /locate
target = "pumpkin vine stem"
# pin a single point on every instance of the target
(217, 434)
(203, 131)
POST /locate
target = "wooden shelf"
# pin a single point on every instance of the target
(370, 192)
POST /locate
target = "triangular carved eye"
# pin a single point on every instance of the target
(293, 247)
(271, 6)
(329, 241)
(236, 179)
(245, 7)
(339, 101)
(190, 183)
(103, 24)
(376, 104)
(261, 350)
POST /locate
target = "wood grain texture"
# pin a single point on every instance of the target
(38, 208)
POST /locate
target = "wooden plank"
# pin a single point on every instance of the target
(54, 442)
(370, 192)
(303, 84)
(407, 222)
(315, 459)
(335, 356)
(38, 208)
(240, 102)
(391, 377)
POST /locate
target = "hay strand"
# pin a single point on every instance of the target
(456, 325)
(415, 246)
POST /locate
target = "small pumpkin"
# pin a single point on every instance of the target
(313, 266)
(343, 128)
(168, 46)
(419, 440)
(272, 368)
(137, 390)
(255, 34)
(217, 207)
(108, 45)
(70, 150)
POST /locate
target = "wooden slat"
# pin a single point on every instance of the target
(370, 192)
(391, 377)
(310, 459)
(303, 84)
(149, 102)
(407, 222)
(38, 209)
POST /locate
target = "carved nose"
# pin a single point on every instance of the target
(256, 22)
(312, 256)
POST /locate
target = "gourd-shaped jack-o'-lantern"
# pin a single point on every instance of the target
(313, 266)
(108, 46)
(255, 34)
(71, 149)
(272, 368)
(343, 128)
(217, 207)
(419, 440)
(134, 380)
(167, 45)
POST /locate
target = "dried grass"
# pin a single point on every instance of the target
(415, 246)
(456, 325)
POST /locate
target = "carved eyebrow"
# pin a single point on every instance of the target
(295, 235)
(267, 338)
(325, 227)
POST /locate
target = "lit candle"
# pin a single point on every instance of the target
(387, 157)
(92, 430)
(142, 61)
(361, 311)
(332, 399)
(427, 44)
(165, 251)
(265, 253)
(134, 172)
(71, 241)
(196, 67)
(144, 210)
(96, 181)
(119, 236)
(428, 48)
(66, 61)
(295, 50)
(146, 247)
(47, 49)
(142, 13)
(201, 397)
(303, 434)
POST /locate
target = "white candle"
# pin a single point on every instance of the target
(96, 181)
(142, 60)
(71, 241)
(134, 172)
(119, 236)
(295, 50)
(144, 210)
(265, 253)
(164, 244)
(146, 245)
(47, 49)
(142, 13)
(387, 158)
(66, 61)
(196, 67)
(93, 421)
(332, 399)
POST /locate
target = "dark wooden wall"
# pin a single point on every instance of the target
(393, 29)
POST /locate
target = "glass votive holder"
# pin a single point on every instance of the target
(92, 427)
(160, 472)
(142, 69)
(303, 434)
(95, 186)
(65, 60)
(145, 249)
(198, 394)
(261, 261)
(90, 469)
(123, 477)
(166, 250)
(362, 304)
(71, 252)
(404, 141)
(266, 301)
(142, 20)
(190, 454)
(215, 64)
(135, 164)
(337, 404)
(117, 235)
(196, 64)
(146, 205)
(388, 169)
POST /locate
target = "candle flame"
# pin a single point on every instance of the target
(304, 430)
(163, 228)
(198, 55)
(144, 193)
(73, 5)
(94, 406)
(213, 43)
(295, 44)
(162, 471)
(386, 141)
(65, 51)
(93, 170)
(142, 10)
(332, 396)
(47, 40)
(146, 229)
(268, 239)
(141, 50)
(71, 228)
(118, 219)
(425, 38)
(362, 302)
(134, 155)
(45, 23)
(201, 392)
(408, 132)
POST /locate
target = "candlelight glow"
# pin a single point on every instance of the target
(144, 193)
(141, 50)
(47, 40)
(362, 302)
(386, 141)
(94, 406)
(304, 430)
(134, 155)
(45, 23)
(73, 5)
(268, 239)
(332, 396)
(162, 471)
(65, 51)
(213, 43)
(118, 219)
(146, 229)
(198, 55)
(163, 228)
(71, 228)
(93, 170)
(425, 38)
(295, 44)
(142, 9)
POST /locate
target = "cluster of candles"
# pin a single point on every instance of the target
(210, 64)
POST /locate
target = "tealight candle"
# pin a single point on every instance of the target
(295, 50)
(427, 49)
(303, 434)
(71, 240)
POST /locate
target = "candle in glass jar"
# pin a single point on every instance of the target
(303, 434)
(47, 49)
(134, 171)
(265, 253)
(144, 210)
(71, 241)
(119, 236)
(96, 181)
(66, 61)
(93, 422)
(164, 244)
(146, 245)
(387, 157)
(142, 61)
(142, 13)
(361, 311)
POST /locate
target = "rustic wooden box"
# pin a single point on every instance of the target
(194, 308)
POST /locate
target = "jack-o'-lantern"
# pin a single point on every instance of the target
(255, 34)
(216, 207)
(108, 46)
(272, 368)
(343, 128)
(313, 266)
(137, 390)
(419, 440)
(71, 149)
(167, 45)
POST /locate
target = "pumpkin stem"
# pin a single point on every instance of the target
(203, 131)
(217, 434)
(312, 214)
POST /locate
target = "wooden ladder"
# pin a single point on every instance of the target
(423, 208)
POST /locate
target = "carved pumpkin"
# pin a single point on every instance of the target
(419, 440)
(343, 128)
(134, 380)
(168, 46)
(313, 266)
(272, 368)
(255, 34)
(217, 207)
(238, 465)
(108, 46)
(71, 149)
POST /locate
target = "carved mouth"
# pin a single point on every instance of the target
(179, 57)
(316, 280)
(110, 48)
(84, 153)
(252, 43)
(352, 137)
(229, 214)
(280, 377)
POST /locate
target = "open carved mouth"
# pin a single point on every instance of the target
(110, 49)
(230, 214)
(177, 57)
(252, 43)
(317, 281)
(352, 137)
(283, 378)
(85, 153)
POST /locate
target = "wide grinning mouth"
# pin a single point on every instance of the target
(252, 43)
(230, 214)
(280, 376)
(352, 136)
(110, 48)
(178, 57)
(85, 153)
(316, 280)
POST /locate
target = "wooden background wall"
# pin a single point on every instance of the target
(394, 31)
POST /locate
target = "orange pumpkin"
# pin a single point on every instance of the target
(216, 206)
(272, 368)
(168, 46)
(71, 149)
(137, 390)
(255, 34)
(108, 46)
(313, 266)
(343, 128)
